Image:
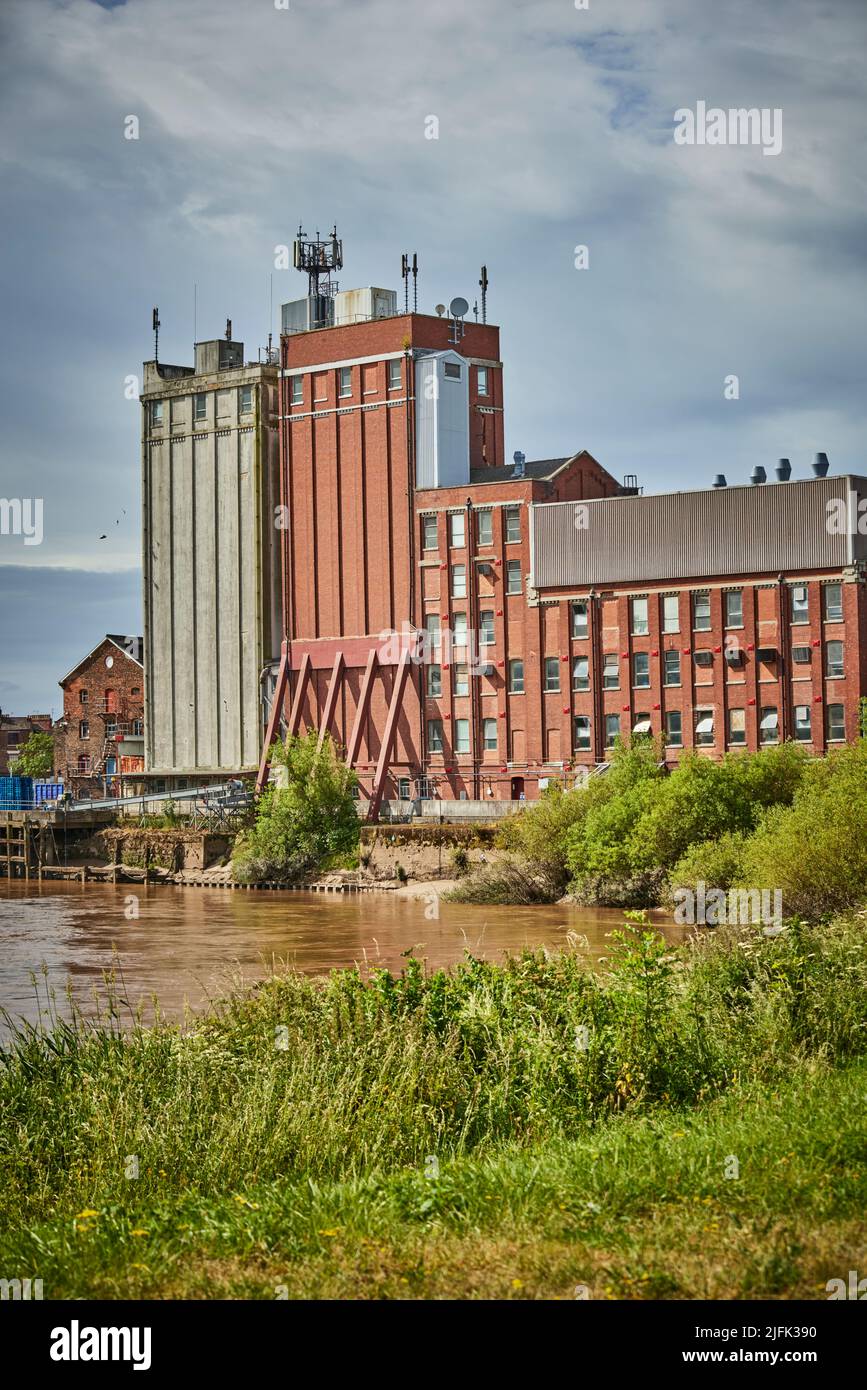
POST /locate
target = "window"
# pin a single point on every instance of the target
(111, 725)
(612, 729)
(429, 533)
(801, 656)
(137, 728)
(836, 724)
(513, 576)
(245, 400)
(296, 390)
(640, 626)
(516, 677)
(394, 374)
(83, 729)
(434, 682)
(704, 727)
(737, 726)
(84, 763)
(582, 731)
(486, 526)
(404, 789)
(803, 725)
(434, 736)
(642, 725)
(459, 629)
(82, 697)
(432, 627)
(673, 729)
(459, 581)
(610, 671)
(581, 673)
(513, 523)
(641, 669)
(552, 673)
(579, 620)
(462, 735)
(200, 406)
(486, 618)
(462, 679)
(489, 734)
(671, 670)
(769, 724)
(800, 604)
(670, 613)
(482, 380)
(834, 660)
(345, 382)
(156, 412)
(701, 612)
(457, 530)
(734, 601)
(832, 597)
(452, 370)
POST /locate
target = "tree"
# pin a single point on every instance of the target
(36, 758)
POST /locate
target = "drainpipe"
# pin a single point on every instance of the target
(473, 623)
(785, 728)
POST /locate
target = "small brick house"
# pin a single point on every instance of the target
(15, 730)
(100, 739)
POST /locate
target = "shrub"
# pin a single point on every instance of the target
(506, 882)
(716, 863)
(36, 758)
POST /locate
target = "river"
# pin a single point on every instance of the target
(186, 945)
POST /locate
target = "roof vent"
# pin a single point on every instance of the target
(520, 459)
(758, 475)
(720, 480)
(820, 465)
(783, 470)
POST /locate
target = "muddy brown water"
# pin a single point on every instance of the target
(187, 944)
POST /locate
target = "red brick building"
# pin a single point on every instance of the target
(100, 739)
(467, 627)
(15, 730)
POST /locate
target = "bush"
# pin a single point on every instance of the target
(716, 863)
(36, 758)
(307, 824)
(506, 882)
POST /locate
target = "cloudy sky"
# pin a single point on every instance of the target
(555, 131)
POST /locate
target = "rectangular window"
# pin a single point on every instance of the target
(83, 729)
(429, 533)
(462, 735)
(486, 526)
(671, 674)
(769, 725)
(489, 734)
(803, 724)
(737, 727)
(82, 697)
(642, 726)
(552, 674)
(513, 523)
(832, 595)
(670, 613)
(673, 729)
(452, 370)
(612, 729)
(641, 669)
(581, 673)
(434, 736)
(137, 728)
(459, 629)
(701, 613)
(245, 402)
(296, 390)
(434, 682)
(802, 656)
(345, 384)
(486, 618)
(704, 728)
(579, 620)
(459, 581)
(834, 660)
(200, 405)
(836, 724)
(582, 731)
(640, 625)
(462, 678)
(457, 530)
(513, 576)
(482, 380)
(156, 412)
(734, 601)
(516, 677)
(404, 789)
(610, 671)
(394, 374)
(800, 604)
(432, 627)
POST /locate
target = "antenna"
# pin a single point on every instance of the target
(483, 285)
(404, 273)
(156, 334)
(228, 330)
(414, 283)
(195, 311)
(441, 308)
(458, 308)
(318, 258)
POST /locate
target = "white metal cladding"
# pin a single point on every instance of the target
(737, 530)
(442, 421)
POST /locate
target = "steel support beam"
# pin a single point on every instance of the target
(386, 747)
(275, 715)
(330, 699)
(300, 691)
(363, 707)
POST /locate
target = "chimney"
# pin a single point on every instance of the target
(758, 475)
(519, 460)
(720, 480)
(783, 470)
(820, 465)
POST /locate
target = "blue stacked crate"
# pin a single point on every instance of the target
(44, 792)
(16, 793)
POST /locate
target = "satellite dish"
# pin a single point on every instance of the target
(441, 308)
(458, 308)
